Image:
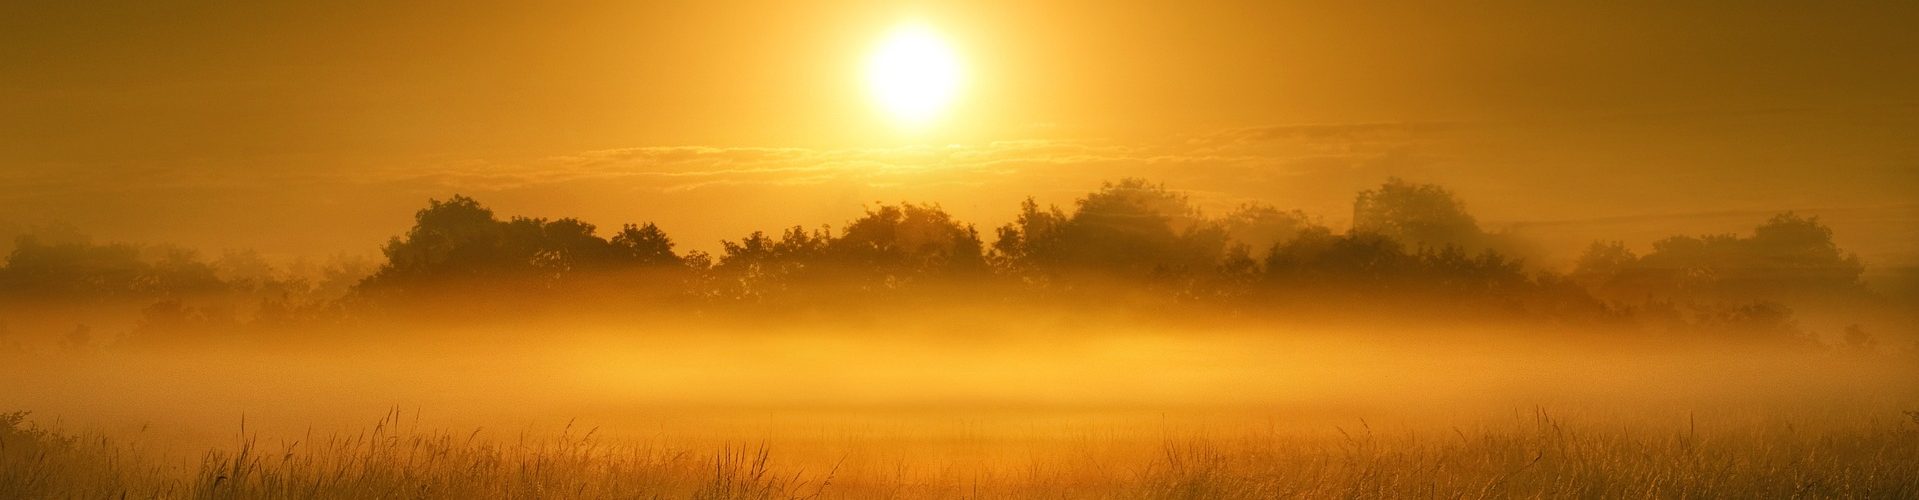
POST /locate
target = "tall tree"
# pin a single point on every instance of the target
(900, 241)
(1128, 227)
(1419, 215)
(645, 245)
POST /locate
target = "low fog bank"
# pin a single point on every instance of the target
(1131, 305)
(1129, 249)
(682, 380)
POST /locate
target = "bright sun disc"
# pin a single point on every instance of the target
(914, 75)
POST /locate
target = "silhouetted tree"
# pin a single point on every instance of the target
(179, 270)
(907, 240)
(1794, 253)
(1030, 239)
(1316, 257)
(1420, 215)
(1259, 227)
(1129, 228)
(80, 269)
(459, 240)
(565, 246)
(1788, 256)
(1450, 270)
(71, 269)
(1603, 262)
(645, 245)
(759, 265)
(1409, 241)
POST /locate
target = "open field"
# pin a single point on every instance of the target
(1115, 415)
(937, 249)
(1536, 455)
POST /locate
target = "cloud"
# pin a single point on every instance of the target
(1519, 175)
(1264, 153)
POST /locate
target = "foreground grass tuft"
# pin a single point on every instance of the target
(1542, 458)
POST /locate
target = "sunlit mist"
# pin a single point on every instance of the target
(1060, 249)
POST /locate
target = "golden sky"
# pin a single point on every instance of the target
(310, 129)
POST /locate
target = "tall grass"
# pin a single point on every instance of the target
(1543, 457)
(1550, 459)
(385, 461)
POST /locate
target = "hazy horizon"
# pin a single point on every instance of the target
(854, 249)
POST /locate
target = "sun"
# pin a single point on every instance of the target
(914, 75)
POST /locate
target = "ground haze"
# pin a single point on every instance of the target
(936, 249)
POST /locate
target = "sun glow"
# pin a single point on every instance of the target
(914, 75)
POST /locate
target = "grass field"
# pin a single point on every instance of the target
(1116, 415)
(1534, 455)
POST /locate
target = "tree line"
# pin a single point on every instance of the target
(1408, 242)
(1405, 236)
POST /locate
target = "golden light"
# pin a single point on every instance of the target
(914, 75)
